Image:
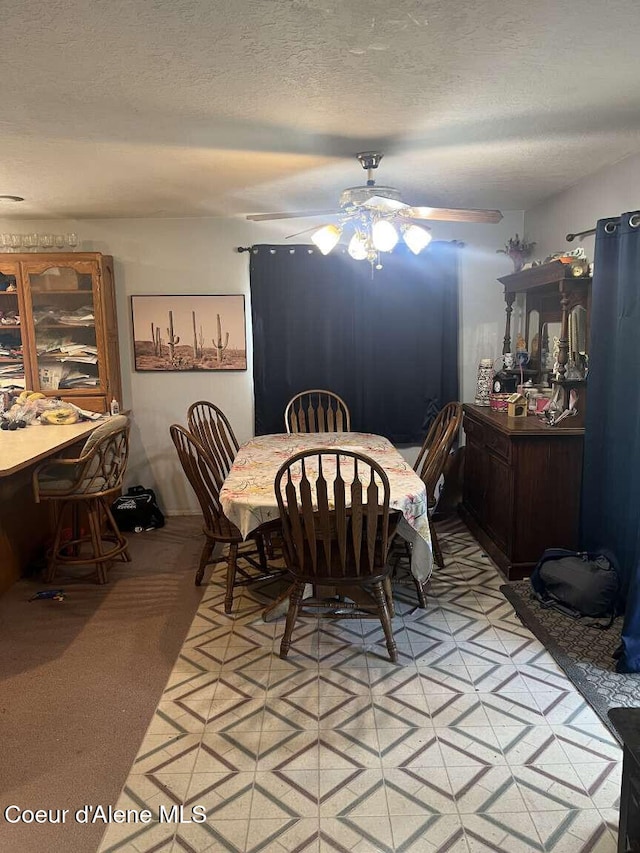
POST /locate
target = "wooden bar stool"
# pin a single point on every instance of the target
(89, 482)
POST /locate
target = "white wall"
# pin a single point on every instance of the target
(199, 256)
(482, 315)
(608, 192)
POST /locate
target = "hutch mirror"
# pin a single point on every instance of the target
(550, 304)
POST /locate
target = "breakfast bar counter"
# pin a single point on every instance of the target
(24, 524)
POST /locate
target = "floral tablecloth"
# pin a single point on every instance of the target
(248, 497)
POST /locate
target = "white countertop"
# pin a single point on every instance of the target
(23, 447)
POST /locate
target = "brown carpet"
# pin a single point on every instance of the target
(80, 680)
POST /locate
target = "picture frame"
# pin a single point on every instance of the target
(189, 332)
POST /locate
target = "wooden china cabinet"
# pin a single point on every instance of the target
(522, 477)
(66, 342)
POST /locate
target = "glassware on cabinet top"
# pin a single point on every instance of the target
(38, 242)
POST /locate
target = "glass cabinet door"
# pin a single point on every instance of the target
(64, 323)
(12, 374)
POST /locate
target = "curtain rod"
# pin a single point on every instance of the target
(457, 243)
(571, 237)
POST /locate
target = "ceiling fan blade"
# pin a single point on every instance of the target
(452, 214)
(301, 214)
(380, 202)
(306, 231)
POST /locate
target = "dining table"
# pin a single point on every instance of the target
(248, 497)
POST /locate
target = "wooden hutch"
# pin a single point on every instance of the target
(523, 477)
(66, 341)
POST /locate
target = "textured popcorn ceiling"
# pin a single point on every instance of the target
(205, 107)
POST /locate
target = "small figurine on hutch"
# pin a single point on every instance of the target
(517, 406)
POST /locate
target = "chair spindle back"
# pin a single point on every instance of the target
(317, 410)
(334, 508)
(205, 477)
(437, 446)
(211, 427)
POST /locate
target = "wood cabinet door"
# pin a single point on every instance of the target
(474, 483)
(64, 325)
(498, 502)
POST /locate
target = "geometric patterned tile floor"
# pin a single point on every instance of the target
(475, 741)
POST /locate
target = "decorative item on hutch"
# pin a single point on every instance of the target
(483, 383)
(505, 381)
(499, 402)
(38, 242)
(519, 250)
(517, 406)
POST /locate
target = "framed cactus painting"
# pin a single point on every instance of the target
(189, 332)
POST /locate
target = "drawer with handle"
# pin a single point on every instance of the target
(498, 442)
(473, 430)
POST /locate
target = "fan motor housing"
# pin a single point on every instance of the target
(358, 195)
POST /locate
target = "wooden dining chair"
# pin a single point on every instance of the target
(317, 410)
(206, 477)
(334, 510)
(432, 460)
(211, 427)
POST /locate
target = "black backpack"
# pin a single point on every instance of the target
(138, 510)
(578, 584)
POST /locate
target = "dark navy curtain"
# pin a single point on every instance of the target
(386, 342)
(611, 481)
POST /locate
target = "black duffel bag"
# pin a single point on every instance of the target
(578, 583)
(138, 510)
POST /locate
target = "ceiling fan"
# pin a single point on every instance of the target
(377, 216)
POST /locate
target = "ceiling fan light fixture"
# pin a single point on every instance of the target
(416, 238)
(378, 216)
(326, 238)
(358, 247)
(383, 235)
